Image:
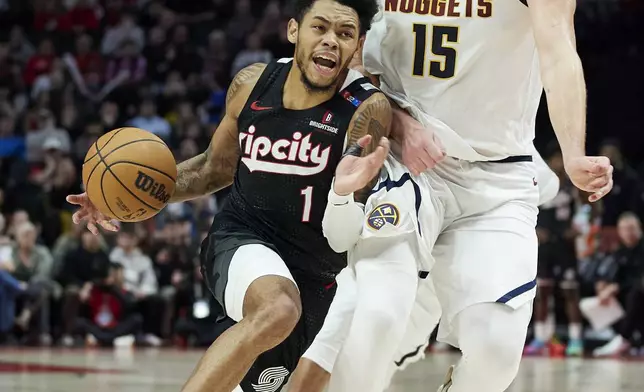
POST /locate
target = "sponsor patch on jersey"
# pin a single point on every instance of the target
(383, 214)
(354, 101)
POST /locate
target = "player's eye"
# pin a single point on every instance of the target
(346, 34)
(318, 28)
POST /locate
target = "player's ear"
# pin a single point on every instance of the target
(293, 27)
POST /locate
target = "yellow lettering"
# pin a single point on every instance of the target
(485, 8)
(438, 8)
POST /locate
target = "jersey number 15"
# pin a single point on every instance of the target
(441, 37)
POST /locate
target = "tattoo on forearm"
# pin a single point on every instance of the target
(203, 175)
(214, 169)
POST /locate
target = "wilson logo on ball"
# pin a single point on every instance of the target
(147, 184)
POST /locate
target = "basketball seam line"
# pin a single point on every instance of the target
(104, 145)
(103, 193)
(144, 166)
(102, 158)
(123, 185)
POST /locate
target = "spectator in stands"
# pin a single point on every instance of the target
(155, 53)
(46, 131)
(140, 280)
(9, 71)
(251, 55)
(58, 177)
(149, 120)
(217, 59)
(625, 196)
(20, 48)
(241, 24)
(84, 15)
(173, 264)
(125, 72)
(83, 267)
(50, 16)
(40, 63)
(33, 264)
(10, 288)
(113, 320)
(626, 284)
(126, 31)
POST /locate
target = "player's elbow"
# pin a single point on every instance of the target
(342, 226)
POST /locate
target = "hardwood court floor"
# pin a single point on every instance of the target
(60, 370)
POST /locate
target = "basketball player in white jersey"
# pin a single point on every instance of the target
(472, 73)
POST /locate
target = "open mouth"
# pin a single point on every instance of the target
(325, 64)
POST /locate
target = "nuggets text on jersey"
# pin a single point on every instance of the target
(297, 152)
(383, 214)
(450, 8)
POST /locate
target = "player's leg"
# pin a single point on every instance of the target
(258, 291)
(314, 369)
(406, 216)
(491, 337)
(569, 285)
(422, 322)
(387, 279)
(485, 279)
(545, 288)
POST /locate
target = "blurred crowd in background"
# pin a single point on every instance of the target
(71, 70)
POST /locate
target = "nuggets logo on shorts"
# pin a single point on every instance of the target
(382, 214)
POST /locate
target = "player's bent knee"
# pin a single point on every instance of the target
(276, 317)
(498, 329)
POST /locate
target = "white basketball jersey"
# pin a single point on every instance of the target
(467, 68)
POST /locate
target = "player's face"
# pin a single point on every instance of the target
(326, 40)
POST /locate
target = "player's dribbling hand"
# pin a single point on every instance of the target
(354, 172)
(421, 148)
(591, 174)
(90, 214)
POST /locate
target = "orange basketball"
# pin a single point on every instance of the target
(129, 174)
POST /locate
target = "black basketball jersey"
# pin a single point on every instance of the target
(288, 161)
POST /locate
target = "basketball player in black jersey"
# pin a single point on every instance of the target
(286, 127)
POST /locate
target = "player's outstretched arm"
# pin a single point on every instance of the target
(204, 174)
(357, 172)
(563, 80)
(214, 169)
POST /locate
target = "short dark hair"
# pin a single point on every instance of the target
(366, 10)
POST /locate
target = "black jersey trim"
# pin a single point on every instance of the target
(524, 2)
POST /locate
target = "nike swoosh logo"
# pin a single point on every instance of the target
(258, 108)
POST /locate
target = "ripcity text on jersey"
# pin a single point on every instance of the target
(471, 65)
(288, 160)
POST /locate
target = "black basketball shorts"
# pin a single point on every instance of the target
(230, 262)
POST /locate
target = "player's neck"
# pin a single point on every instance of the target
(297, 96)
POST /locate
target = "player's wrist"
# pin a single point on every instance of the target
(340, 196)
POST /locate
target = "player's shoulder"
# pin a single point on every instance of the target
(242, 85)
(359, 91)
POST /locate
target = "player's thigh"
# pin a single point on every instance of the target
(244, 274)
(490, 257)
(403, 207)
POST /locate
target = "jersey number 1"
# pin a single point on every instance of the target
(308, 201)
(441, 37)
